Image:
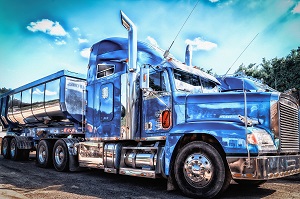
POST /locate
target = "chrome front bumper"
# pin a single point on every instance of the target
(264, 167)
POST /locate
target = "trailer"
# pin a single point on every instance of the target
(141, 112)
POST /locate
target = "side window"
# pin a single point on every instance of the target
(159, 82)
(104, 70)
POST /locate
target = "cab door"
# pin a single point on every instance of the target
(156, 106)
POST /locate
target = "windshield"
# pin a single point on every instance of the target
(189, 82)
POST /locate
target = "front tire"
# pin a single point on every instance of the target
(5, 147)
(60, 156)
(200, 170)
(44, 154)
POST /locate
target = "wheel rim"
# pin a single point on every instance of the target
(59, 155)
(4, 146)
(42, 154)
(198, 170)
(12, 149)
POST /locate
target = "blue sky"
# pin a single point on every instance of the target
(41, 37)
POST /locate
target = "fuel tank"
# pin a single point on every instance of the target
(55, 100)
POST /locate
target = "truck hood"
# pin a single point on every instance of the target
(228, 106)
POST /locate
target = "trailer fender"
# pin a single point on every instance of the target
(24, 142)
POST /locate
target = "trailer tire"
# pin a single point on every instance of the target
(15, 153)
(200, 170)
(60, 156)
(44, 154)
(5, 147)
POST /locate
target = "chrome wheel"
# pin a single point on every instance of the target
(5, 146)
(59, 155)
(198, 170)
(13, 149)
(42, 154)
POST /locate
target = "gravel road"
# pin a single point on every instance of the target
(24, 180)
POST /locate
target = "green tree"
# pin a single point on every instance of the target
(4, 90)
(280, 73)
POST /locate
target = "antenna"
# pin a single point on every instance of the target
(166, 54)
(239, 56)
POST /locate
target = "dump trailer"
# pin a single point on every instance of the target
(141, 112)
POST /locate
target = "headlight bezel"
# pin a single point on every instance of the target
(262, 139)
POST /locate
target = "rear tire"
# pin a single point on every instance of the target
(44, 154)
(200, 171)
(5, 147)
(60, 156)
(15, 153)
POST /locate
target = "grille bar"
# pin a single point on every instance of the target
(289, 126)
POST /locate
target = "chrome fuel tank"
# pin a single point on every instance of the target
(53, 100)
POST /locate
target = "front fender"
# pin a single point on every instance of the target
(230, 135)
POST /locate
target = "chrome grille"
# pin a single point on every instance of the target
(289, 125)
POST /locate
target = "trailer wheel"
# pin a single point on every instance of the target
(250, 183)
(200, 171)
(60, 156)
(15, 153)
(44, 154)
(5, 147)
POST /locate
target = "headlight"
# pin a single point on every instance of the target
(261, 138)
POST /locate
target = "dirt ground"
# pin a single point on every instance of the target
(23, 180)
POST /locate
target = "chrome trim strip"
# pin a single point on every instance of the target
(264, 167)
(137, 172)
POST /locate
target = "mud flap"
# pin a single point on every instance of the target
(73, 156)
(73, 163)
(171, 184)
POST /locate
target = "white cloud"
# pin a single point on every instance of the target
(296, 9)
(200, 44)
(213, 1)
(85, 52)
(82, 40)
(152, 41)
(60, 42)
(76, 29)
(47, 26)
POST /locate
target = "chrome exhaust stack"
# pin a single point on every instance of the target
(128, 83)
(132, 41)
(188, 55)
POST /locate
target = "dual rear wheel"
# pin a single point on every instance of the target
(10, 150)
(50, 153)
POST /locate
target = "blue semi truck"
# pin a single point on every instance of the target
(141, 112)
